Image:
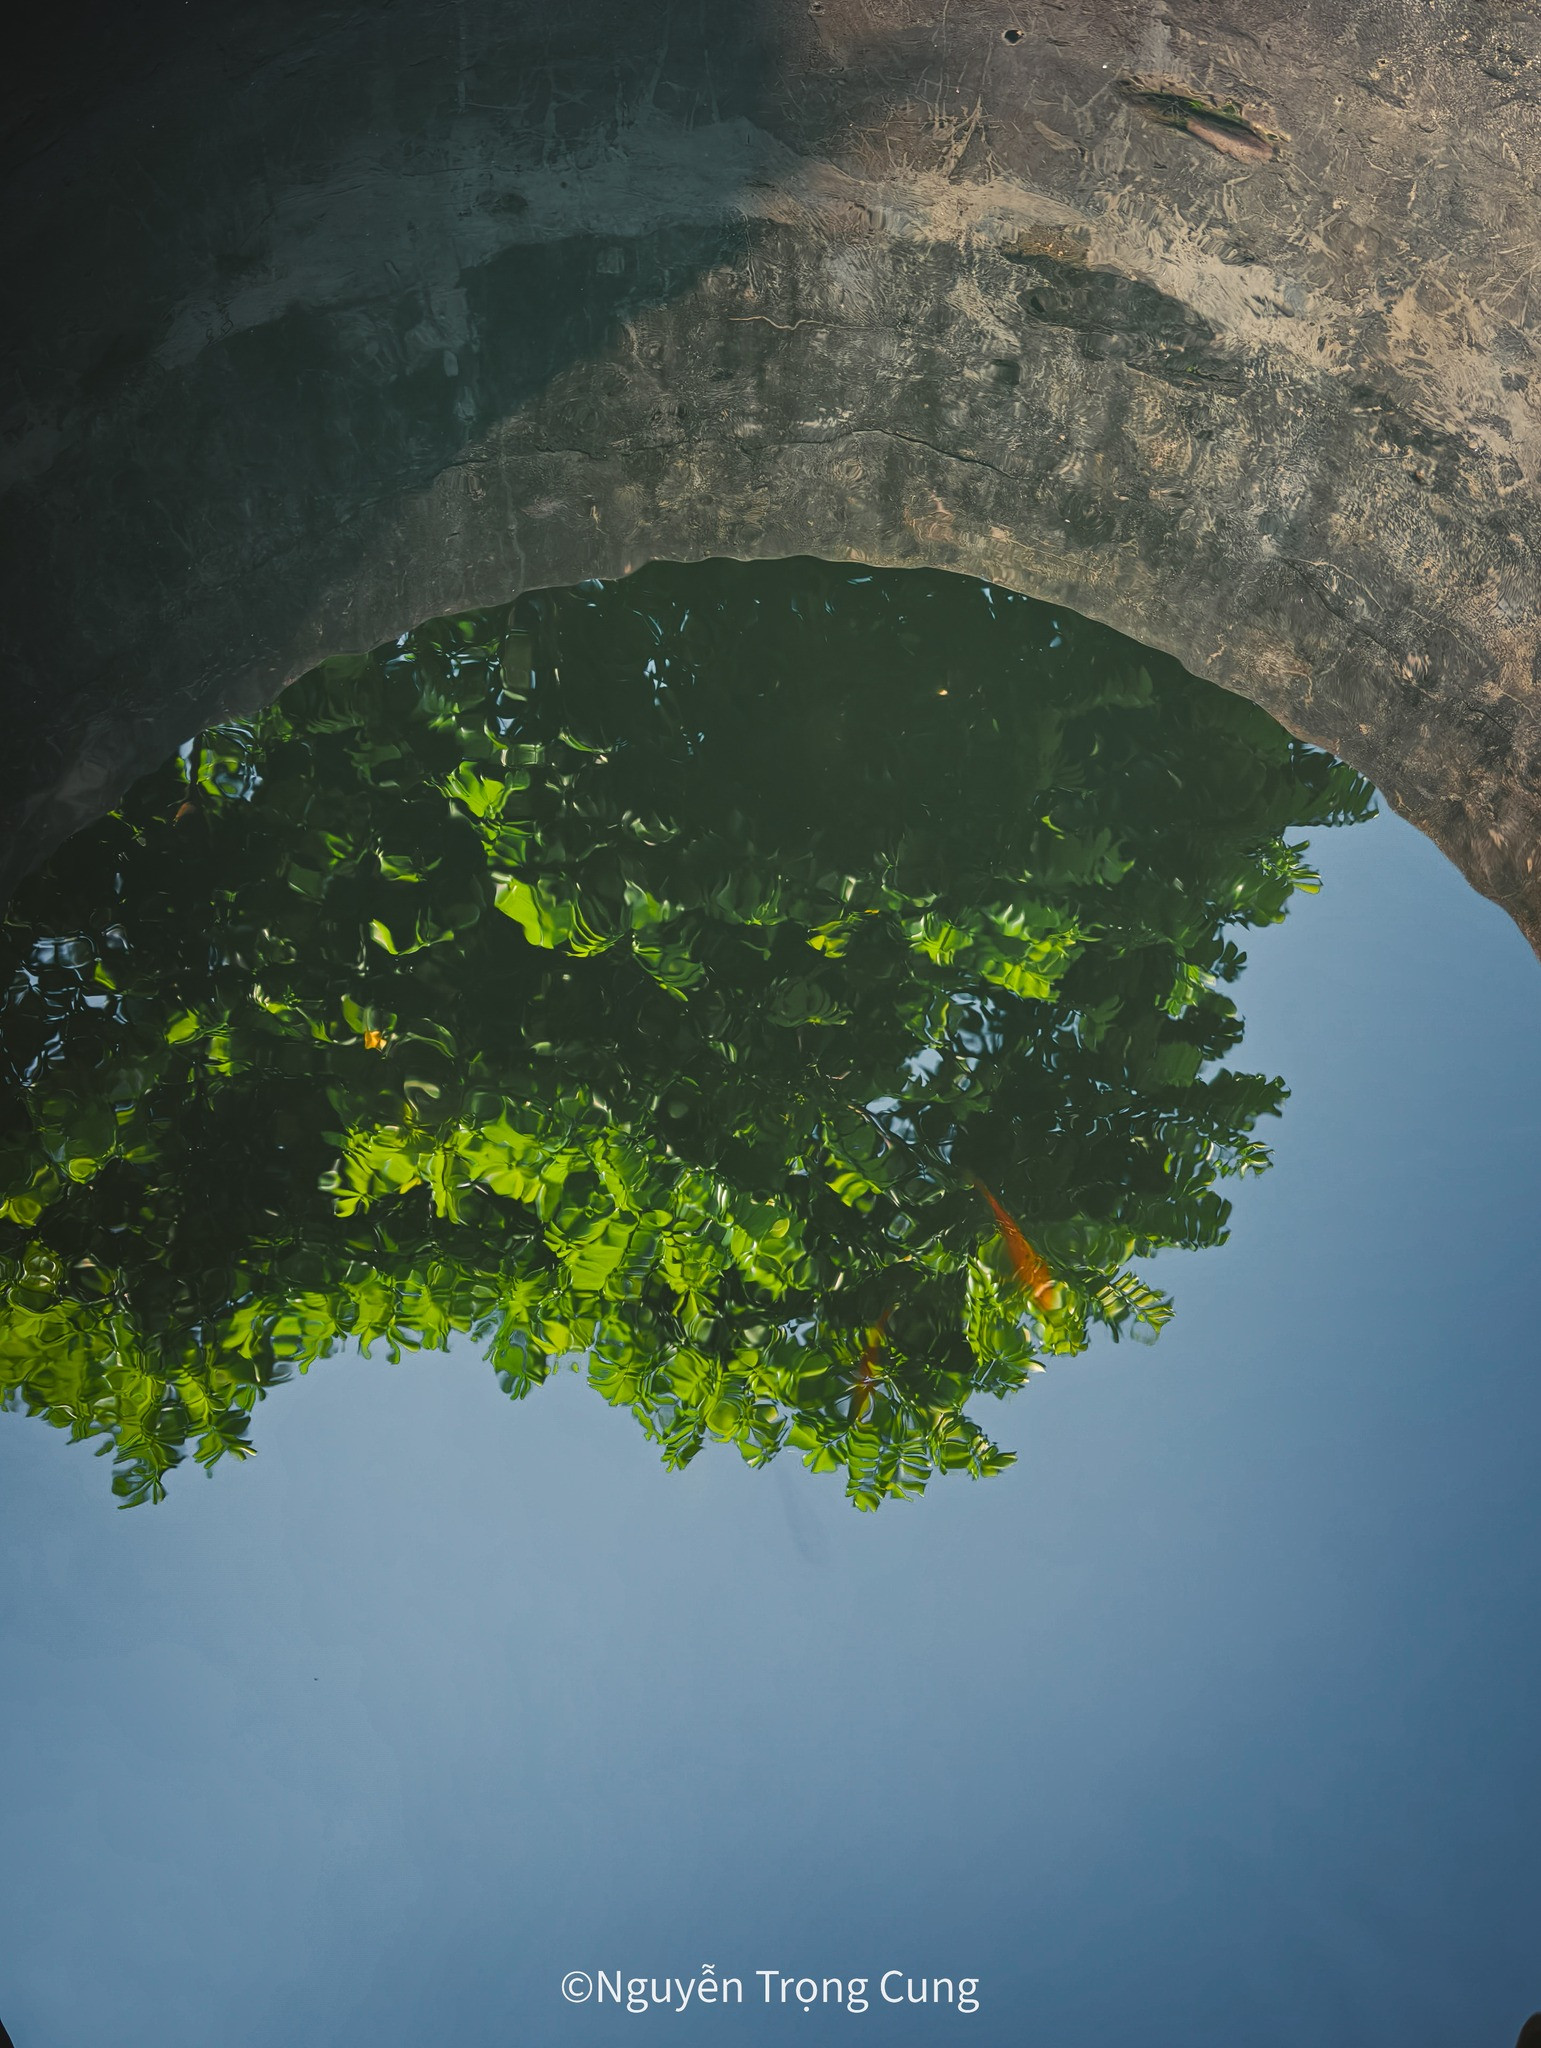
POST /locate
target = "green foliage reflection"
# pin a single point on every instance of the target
(800, 991)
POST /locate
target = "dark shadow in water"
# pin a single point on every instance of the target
(799, 990)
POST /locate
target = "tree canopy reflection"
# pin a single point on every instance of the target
(800, 991)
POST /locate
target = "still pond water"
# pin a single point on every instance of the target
(791, 1009)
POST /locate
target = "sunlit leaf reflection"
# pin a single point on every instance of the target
(797, 990)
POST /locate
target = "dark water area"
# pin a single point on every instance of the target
(803, 992)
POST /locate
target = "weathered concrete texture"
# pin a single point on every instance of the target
(1215, 325)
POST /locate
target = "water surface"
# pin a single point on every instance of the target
(1209, 1720)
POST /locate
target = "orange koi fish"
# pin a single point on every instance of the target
(867, 1369)
(1033, 1276)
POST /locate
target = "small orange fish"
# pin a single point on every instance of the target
(867, 1369)
(184, 811)
(1033, 1276)
(375, 1041)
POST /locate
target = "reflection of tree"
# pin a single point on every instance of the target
(795, 988)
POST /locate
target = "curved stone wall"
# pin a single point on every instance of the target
(1215, 328)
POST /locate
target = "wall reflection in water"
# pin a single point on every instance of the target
(798, 989)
